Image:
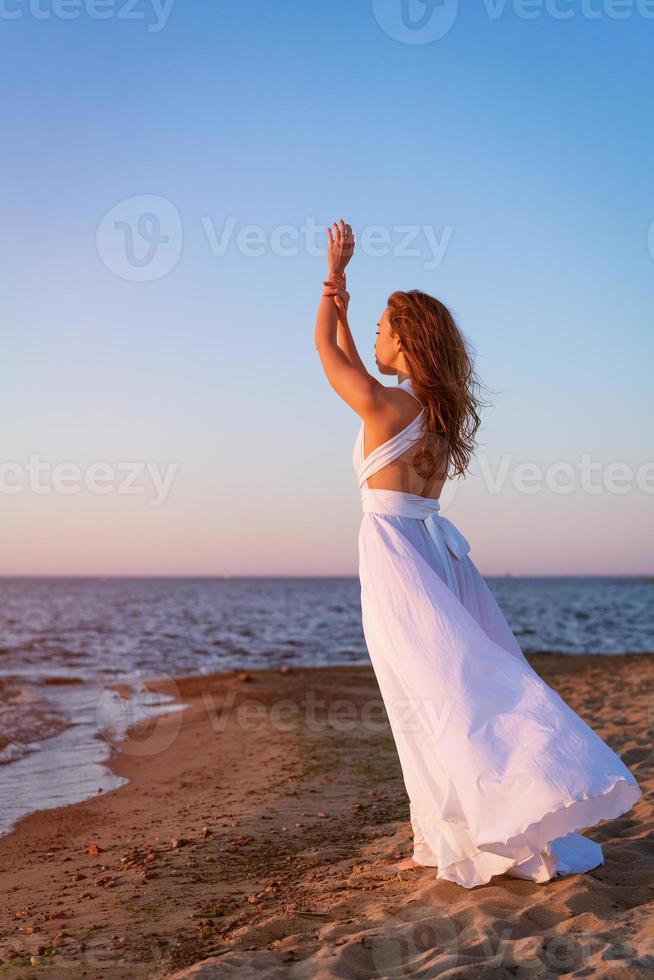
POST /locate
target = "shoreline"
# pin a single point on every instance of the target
(74, 764)
(255, 823)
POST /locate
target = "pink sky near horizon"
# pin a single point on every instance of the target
(209, 529)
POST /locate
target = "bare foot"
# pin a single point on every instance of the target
(405, 865)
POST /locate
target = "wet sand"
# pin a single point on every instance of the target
(253, 834)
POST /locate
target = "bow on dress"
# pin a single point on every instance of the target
(447, 538)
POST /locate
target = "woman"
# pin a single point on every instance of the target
(500, 772)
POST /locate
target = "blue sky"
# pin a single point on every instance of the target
(524, 146)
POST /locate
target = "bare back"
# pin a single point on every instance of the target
(422, 467)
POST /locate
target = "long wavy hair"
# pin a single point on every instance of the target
(440, 363)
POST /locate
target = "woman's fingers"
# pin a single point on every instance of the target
(340, 232)
(334, 289)
(337, 294)
(340, 248)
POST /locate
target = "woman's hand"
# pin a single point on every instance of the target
(340, 247)
(335, 287)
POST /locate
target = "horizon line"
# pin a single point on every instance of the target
(218, 575)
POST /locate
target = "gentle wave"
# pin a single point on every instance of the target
(27, 717)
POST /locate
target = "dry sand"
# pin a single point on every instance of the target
(255, 838)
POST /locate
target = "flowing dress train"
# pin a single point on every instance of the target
(500, 772)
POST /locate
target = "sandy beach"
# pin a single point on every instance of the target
(253, 832)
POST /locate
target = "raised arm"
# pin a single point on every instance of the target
(342, 365)
(337, 286)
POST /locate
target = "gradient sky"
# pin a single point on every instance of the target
(524, 145)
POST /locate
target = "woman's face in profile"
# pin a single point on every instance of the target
(386, 347)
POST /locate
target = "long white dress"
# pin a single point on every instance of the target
(500, 772)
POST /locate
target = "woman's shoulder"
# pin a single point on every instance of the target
(396, 405)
